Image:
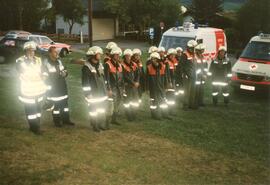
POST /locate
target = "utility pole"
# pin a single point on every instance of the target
(90, 28)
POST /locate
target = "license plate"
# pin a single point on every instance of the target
(247, 87)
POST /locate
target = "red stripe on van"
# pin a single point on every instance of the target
(220, 39)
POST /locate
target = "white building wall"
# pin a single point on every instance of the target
(103, 29)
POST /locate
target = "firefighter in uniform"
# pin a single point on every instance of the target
(109, 47)
(32, 85)
(171, 64)
(94, 88)
(201, 69)
(179, 51)
(136, 58)
(57, 92)
(179, 89)
(156, 78)
(151, 50)
(185, 73)
(162, 53)
(220, 70)
(115, 82)
(131, 78)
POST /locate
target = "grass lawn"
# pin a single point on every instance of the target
(213, 145)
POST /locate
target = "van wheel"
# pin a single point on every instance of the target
(63, 52)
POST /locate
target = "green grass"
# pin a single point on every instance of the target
(213, 145)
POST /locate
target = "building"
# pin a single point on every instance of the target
(105, 25)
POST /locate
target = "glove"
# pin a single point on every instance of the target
(63, 73)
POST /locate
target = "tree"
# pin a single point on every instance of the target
(206, 11)
(18, 14)
(72, 11)
(145, 13)
(252, 18)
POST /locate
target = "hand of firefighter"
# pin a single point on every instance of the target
(204, 77)
(110, 93)
(136, 84)
(63, 73)
(185, 76)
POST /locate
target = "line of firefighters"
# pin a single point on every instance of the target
(116, 80)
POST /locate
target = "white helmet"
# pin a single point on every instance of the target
(179, 49)
(222, 48)
(137, 51)
(94, 50)
(200, 47)
(192, 44)
(152, 49)
(128, 52)
(155, 55)
(161, 49)
(171, 51)
(30, 45)
(110, 45)
(116, 51)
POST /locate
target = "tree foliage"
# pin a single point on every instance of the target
(252, 18)
(72, 11)
(145, 13)
(22, 14)
(206, 11)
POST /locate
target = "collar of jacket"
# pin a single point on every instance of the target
(53, 62)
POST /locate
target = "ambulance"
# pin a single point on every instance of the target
(251, 72)
(213, 38)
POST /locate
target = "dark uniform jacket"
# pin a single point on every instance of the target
(93, 81)
(220, 69)
(114, 75)
(141, 73)
(171, 68)
(188, 65)
(201, 68)
(56, 79)
(156, 80)
(131, 73)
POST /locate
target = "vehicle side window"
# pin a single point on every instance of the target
(35, 39)
(45, 40)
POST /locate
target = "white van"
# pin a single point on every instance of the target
(213, 38)
(251, 72)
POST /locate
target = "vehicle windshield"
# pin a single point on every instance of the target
(257, 50)
(173, 42)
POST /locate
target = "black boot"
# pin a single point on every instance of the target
(66, 119)
(226, 101)
(113, 121)
(107, 123)
(215, 101)
(35, 127)
(155, 116)
(185, 107)
(94, 125)
(128, 115)
(57, 121)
